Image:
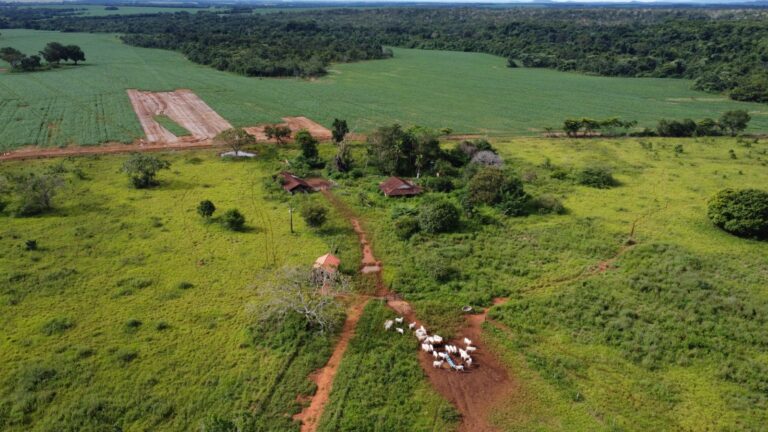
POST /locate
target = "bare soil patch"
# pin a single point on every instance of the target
(33, 152)
(183, 107)
(295, 124)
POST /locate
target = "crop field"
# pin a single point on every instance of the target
(135, 314)
(664, 334)
(470, 93)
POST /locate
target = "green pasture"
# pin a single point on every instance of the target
(669, 337)
(134, 314)
(470, 93)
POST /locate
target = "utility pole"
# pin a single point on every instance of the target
(290, 213)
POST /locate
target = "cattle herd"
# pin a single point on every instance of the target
(433, 344)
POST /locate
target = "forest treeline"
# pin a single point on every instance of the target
(722, 50)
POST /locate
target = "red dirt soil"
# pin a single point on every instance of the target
(295, 124)
(181, 106)
(475, 393)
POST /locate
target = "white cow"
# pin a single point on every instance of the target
(460, 368)
(425, 347)
(388, 324)
(471, 349)
(399, 330)
(469, 362)
(437, 364)
(437, 339)
(467, 341)
(434, 354)
(442, 355)
(411, 325)
(399, 320)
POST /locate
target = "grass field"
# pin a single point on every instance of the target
(472, 93)
(669, 337)
(134, 314)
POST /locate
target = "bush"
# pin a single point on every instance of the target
(57, 326)
(437, 184)
(548, 204)
(206, 208)
(233, 220)
(438, 216)
(496, 187)
(741, 212)
(597, 177)
(314, 214)
(406, 226)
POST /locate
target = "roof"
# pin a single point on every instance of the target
(395, 186)
(293, 182)
(327, 261)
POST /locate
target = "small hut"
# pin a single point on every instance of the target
(396, 186)
(293, 184)
(324, 270)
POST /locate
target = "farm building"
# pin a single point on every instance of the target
(293, 184)
(328, 262)
(396, 186)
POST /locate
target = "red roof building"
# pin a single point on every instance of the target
(396, 186)
(328, 262)
(293, 184)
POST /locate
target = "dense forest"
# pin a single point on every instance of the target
(723, 50)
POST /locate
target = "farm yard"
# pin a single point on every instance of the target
(470, 93)
(163, 315)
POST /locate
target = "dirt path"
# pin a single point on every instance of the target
(33, 152)
(310, 416)
(475, 393)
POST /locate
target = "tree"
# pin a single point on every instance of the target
(295, 291)
(735, 121)
(35, 192)
(206, 209)
(438, 216)
(571, 127)
(54, 52)
(277, 132)
(307, 143)
(314, 214)
(487, 158)
(234, 138)
(388, 149)
(340, 130)
(741, 212)
(12, 56)
(233, 220)
(143, 168)
(342, 162)
(74, 53)
(499, 188)
(30, 63)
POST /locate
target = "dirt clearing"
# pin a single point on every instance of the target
(295, 124)
(181, 106)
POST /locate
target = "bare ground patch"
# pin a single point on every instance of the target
(183, 107)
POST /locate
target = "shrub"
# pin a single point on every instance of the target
(184, 285)
(597, 177)
(206, 208)
(133, 324)
(314, 214)
(233, 220)
(437, 184)
(546, 204)
(57, 326)
(487, 158)
(406, 226)
(126, 356)
(438, 216)
(162, 325)
(30, 245)
(741, 212)
(35, 192)
(496, 187)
